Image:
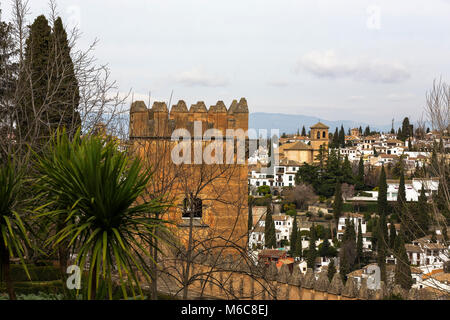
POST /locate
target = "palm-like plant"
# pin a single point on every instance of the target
(12, 230)
(97, 187)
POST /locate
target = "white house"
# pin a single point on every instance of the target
(283, 228)
(412, 188)
(353, 217)
(284, 173)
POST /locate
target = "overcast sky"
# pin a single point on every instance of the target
(357, 60)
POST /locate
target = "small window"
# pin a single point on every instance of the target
(323, 134)
(318, 134)
(194, 206)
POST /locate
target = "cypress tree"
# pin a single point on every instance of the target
(441, 201)
(392, 236)
(325, 248)
(66, 95)
(331, 270)
(382, 237)
(360, 177)
(335, 142)
(347, 173)
(401, 197)
(269, 229)
(381, 247)
(342, 137)
(37, 62)
(405, 131)
(303, 131)
(382, 193)
(294, 235)
(312, 252)
(298, 246)
(338, 203)
(367, 131)
(402, 267)
(359, 244)
(8, 79)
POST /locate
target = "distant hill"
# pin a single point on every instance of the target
(289, 123)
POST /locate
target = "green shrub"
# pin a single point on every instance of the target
(291, 212)
(37, 273)
(36, 287)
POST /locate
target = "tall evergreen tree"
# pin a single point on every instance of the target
(381, 247)
(34, 80)
(342, 137)
(8, 68)
(269, 229)
(360, 178)
(401, 196)
(324, 250)
(347, 173)
(338, 203)
(294, 235)
(382, 193)
(298, 247)
(66, 95)
(402, 267)
(303, 131)
(382, 238)
(359, 244)
(335, 142)
(405, 132)
(312, 252)
(392, 236)
(367, 131)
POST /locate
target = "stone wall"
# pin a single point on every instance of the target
(239, 280)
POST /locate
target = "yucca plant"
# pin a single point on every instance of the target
(13, 234)
(96, 187)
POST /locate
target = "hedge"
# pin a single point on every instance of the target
(34, 287)
(37, 273)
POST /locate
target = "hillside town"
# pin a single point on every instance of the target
(320, 204)
(159, 189)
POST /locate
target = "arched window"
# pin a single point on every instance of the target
(194, 206)
(323, 134)
(318, 134)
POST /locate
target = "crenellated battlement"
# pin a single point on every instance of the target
(244, 280)
(159, 122)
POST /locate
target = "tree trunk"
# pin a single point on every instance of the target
(188, 258)
(4, 256)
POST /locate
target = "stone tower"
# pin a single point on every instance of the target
(221, 205)
(319, 137)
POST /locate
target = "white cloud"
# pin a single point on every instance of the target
(356, 98)
(198, 77)
(399, 96)
(328, 65)
(278, 83)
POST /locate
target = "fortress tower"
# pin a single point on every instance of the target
(216, 194)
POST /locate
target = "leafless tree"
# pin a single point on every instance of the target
(348, 190)
(302, 195)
